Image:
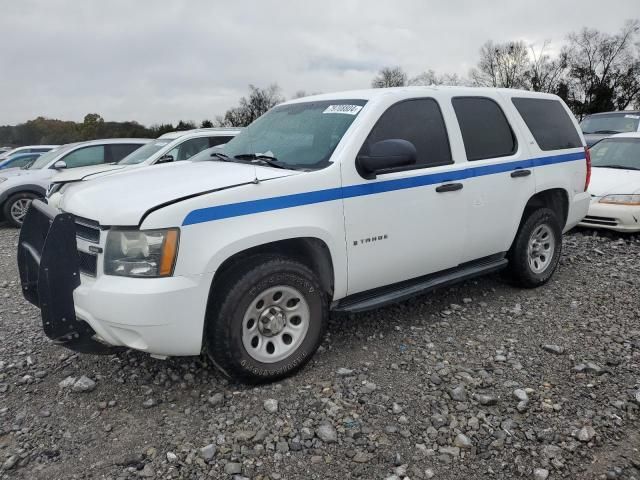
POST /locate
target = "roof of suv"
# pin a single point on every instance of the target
(211, 131)
(372, 93)
(617, 112)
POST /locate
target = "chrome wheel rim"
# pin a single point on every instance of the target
(542, 245)
(19, 209)
(275, 324)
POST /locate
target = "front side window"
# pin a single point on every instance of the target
(623, 153)
(299, 135)
(86, 156)
(189, 148)
(118, 151)
(420, 122)
(548, 122)
(611, 123)
(486, 133)
(144, 152)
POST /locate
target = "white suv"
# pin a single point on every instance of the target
(344, 201)
(170, 147)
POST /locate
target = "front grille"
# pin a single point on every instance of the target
(87, 231)
(88, 263)
(608, 221)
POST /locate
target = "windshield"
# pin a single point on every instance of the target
(616, 123)
(141, 154)
(617, 153)
(206, 154)
(44, 159)
(299, 135)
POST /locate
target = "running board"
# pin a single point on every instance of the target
(380, 297)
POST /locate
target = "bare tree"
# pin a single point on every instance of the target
(260, 101)
(604, 69)
(390, 77)
(430, 77)
(502, 65)
(545, 73)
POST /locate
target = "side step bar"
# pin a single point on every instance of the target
(361, 302)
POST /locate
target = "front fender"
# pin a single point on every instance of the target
(30, 188)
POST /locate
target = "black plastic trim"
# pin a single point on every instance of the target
(379, 297)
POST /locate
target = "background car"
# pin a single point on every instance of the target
(615, 184)
(18, 160)
(18, 187)
(28, 149)
(170, 147)
(602, 125)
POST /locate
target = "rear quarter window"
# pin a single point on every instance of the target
(486, 132)
(548, 122)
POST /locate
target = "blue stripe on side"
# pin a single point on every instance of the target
(220, 212)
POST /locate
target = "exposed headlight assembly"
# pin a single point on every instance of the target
(631, 199)
(141, 254)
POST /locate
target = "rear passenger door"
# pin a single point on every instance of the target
(500, 181)
(402, 224)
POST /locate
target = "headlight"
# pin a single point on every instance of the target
(134, 253)
(632, 199)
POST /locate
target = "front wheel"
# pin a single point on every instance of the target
(267, 319)
(16, 207)
(535, 253)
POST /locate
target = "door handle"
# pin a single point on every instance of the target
(449, 187)
(520, 173)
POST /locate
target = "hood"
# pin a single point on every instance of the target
(609, 181)
(593, 138)
(81, 173)
(14, 173)
(124, 197)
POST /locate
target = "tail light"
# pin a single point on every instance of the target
(587, 156)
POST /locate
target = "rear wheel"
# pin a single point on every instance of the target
(16, 206)
(267, 319)
(535, 253)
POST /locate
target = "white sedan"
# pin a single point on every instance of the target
(615, 184)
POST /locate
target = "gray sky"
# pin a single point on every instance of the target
(161, 61)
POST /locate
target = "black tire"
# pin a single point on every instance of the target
(8, 205)
(231, 300)
(520, 271)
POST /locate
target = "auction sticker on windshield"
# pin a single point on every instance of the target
(345, 109)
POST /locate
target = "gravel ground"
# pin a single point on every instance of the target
(478, 381)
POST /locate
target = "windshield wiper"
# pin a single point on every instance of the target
(607, 131)
(268, 159)
(221, 156)
(620, 167)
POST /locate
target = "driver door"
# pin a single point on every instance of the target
(403, 224)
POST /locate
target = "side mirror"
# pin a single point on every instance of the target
(165, 159)
(60, 165)
(386, 155)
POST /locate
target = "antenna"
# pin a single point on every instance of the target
(255, 175)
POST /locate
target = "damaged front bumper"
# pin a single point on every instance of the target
(49, 273)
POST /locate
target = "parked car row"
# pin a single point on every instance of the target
(52, 171)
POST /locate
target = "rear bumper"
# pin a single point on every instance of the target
(578, 208)
(619, 218)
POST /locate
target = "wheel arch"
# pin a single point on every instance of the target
(312, 252)
(556, 199)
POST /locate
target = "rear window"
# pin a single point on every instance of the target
(485, 130)
(548, 122)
